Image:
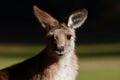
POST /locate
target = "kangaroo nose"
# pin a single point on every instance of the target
(61, 49)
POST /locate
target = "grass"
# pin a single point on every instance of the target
(108, 49)
(96, 61)
(103, 68)
(99, 75)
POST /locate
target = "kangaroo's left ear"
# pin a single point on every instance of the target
(77, 18)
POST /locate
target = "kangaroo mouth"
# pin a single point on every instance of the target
(59, 53)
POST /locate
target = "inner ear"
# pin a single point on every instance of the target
(77, 18)
(44, 18)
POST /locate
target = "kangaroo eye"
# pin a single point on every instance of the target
(51, 38)
(69, 37)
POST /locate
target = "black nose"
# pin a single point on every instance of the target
(61, 49)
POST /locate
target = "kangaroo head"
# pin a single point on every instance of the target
(60, 36)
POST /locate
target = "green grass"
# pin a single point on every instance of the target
(108, 49)
(6, 62)
(99, 74)
(103, 68)
(97, 61)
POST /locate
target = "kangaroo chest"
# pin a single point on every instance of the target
(64, 70)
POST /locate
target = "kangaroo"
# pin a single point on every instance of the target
(58, 61)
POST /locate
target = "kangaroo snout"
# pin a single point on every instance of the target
(61, 49)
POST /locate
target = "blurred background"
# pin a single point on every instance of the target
(98, 40)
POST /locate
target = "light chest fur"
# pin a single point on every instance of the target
(67, 69)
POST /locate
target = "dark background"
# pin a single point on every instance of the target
(18, 24)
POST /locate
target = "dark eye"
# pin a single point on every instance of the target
(51, 38)
(69, 37)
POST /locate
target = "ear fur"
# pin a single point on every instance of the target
(77, 18)
(44, 18)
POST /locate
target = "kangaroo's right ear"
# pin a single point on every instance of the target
(44, 18)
